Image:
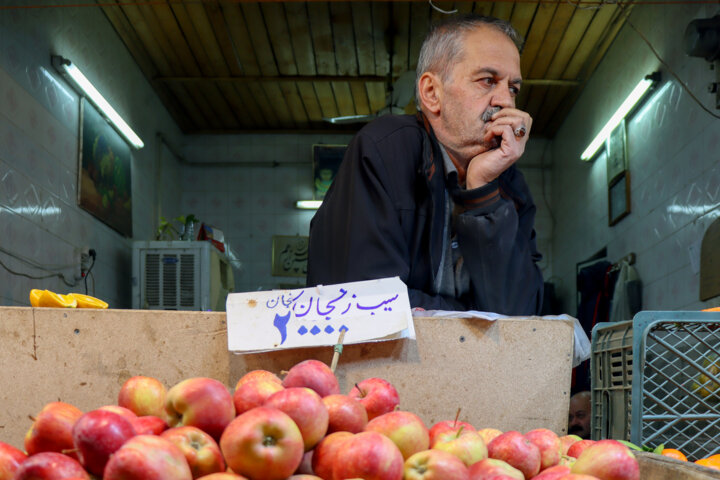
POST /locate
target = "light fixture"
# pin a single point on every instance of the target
(84, 87)
(308, 204)
(635, 96)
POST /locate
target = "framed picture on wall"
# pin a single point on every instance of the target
(104, 171)
(619, 198)
(616, 152)
(289, 255)
(326, 162)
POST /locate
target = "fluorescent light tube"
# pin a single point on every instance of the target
(308, 204)
(638, 93)
(81, 83)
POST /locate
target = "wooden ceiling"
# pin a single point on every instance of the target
(229, 66)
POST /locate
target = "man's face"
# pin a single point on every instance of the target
(579, 417)
(487, 75)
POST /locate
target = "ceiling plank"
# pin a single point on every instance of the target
(401, 40)
(206, 36)
(360, 98)
(503, 10)
(522, 17)
(264, 103)
(419, 26)
(326, 99)
(381, 21)
(363, 28)
(343, 38)
(236, 104)
(463, 7)
(278, 104)
(376, 95)
(259, 37)
(251, 105)
(241, 38)
(297, 18)
(436, 15)
(310, 101)
(223, 37)
(319, 16)
(295, 104)
(279, 33)
(534, 39)
(343, 98)
(483, 8)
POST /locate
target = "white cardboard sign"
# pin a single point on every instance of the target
(371, 310)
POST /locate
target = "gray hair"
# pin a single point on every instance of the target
(443, 45)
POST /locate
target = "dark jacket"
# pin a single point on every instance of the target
(384, 216)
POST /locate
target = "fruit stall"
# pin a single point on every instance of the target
(506, 382)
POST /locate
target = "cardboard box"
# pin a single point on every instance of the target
(508, 374)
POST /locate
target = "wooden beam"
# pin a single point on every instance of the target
(336, 78)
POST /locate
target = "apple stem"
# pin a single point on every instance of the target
(457, 415)
(32, 419)
(362, 394)
(459, 431)
(69, 450)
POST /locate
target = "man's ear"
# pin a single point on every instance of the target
(430, 92)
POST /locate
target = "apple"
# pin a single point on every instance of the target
(467, 445)
(370, 456)
(122, 411)
(307, 410)
(567, 440)
(147, 456)
(513, 448)
(577, 476)
(434, 465)
(10, 460)
(491, 468)
(549, 445)
(51, 430)
(578, 447)
(405, 429)
(97, 435)
(50, 466)
(200, 402)
(609, 460)
(304, 476)
(251, 394)
(149, 425)
(305, 467)
(553, 473)
(447, 426)
(323, 457)
(489, 434)
(345, 414)
(378, 396)
(223, 476)
(263, 443)
(201, 451)
(143, 396)
(258, 375)
(314, 375)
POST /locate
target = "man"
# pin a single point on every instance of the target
(579, 416)
(435, 198)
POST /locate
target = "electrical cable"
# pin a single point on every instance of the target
(93, 255)
(34, 277)
(32, 263)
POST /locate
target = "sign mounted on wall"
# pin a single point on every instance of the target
(326, 162)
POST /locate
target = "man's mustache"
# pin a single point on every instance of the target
(488, 113)
(574, 428)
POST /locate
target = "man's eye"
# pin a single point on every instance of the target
(487, 80)
(515, 91)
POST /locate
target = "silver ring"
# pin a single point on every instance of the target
(520, 132)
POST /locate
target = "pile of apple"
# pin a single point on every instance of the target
(297, 428)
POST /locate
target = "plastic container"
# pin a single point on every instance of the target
(656, 379)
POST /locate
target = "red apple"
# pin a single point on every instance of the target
(567, 440)
(578, 447)
(10, 460)
(122, 411)
(52, 429)
(304, 476)
(577, 476)
(434, 465)
(345, 414)
(149, 425)
(263, 443)
(307, 410)
(609, 460)
(553, 473)
(143, 395)
(147, 456)
(467, 445)
(405, 429)
(314, 375)
(50, 466)
(258, 375)
(305, 467)
(378, 396)
(325, 452)
(447, 426)
(223, 476)
(549, 445)
(491, 468)
(489, 434)
(513, 448)
(200, 402)
(97, 435)
(201, 451)
(251, 394)
(370, 456)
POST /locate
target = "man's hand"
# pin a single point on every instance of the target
(511, 128)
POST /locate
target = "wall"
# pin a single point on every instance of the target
(39, 114)
(673, 160)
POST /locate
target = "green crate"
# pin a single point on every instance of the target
(646, 381)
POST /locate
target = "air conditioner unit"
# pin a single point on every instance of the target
(180, 275)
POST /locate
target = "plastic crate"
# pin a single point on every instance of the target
(648, 385)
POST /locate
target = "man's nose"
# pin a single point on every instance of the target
(502, 96)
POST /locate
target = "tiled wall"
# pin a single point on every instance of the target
(39, 112)
(674, 163)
